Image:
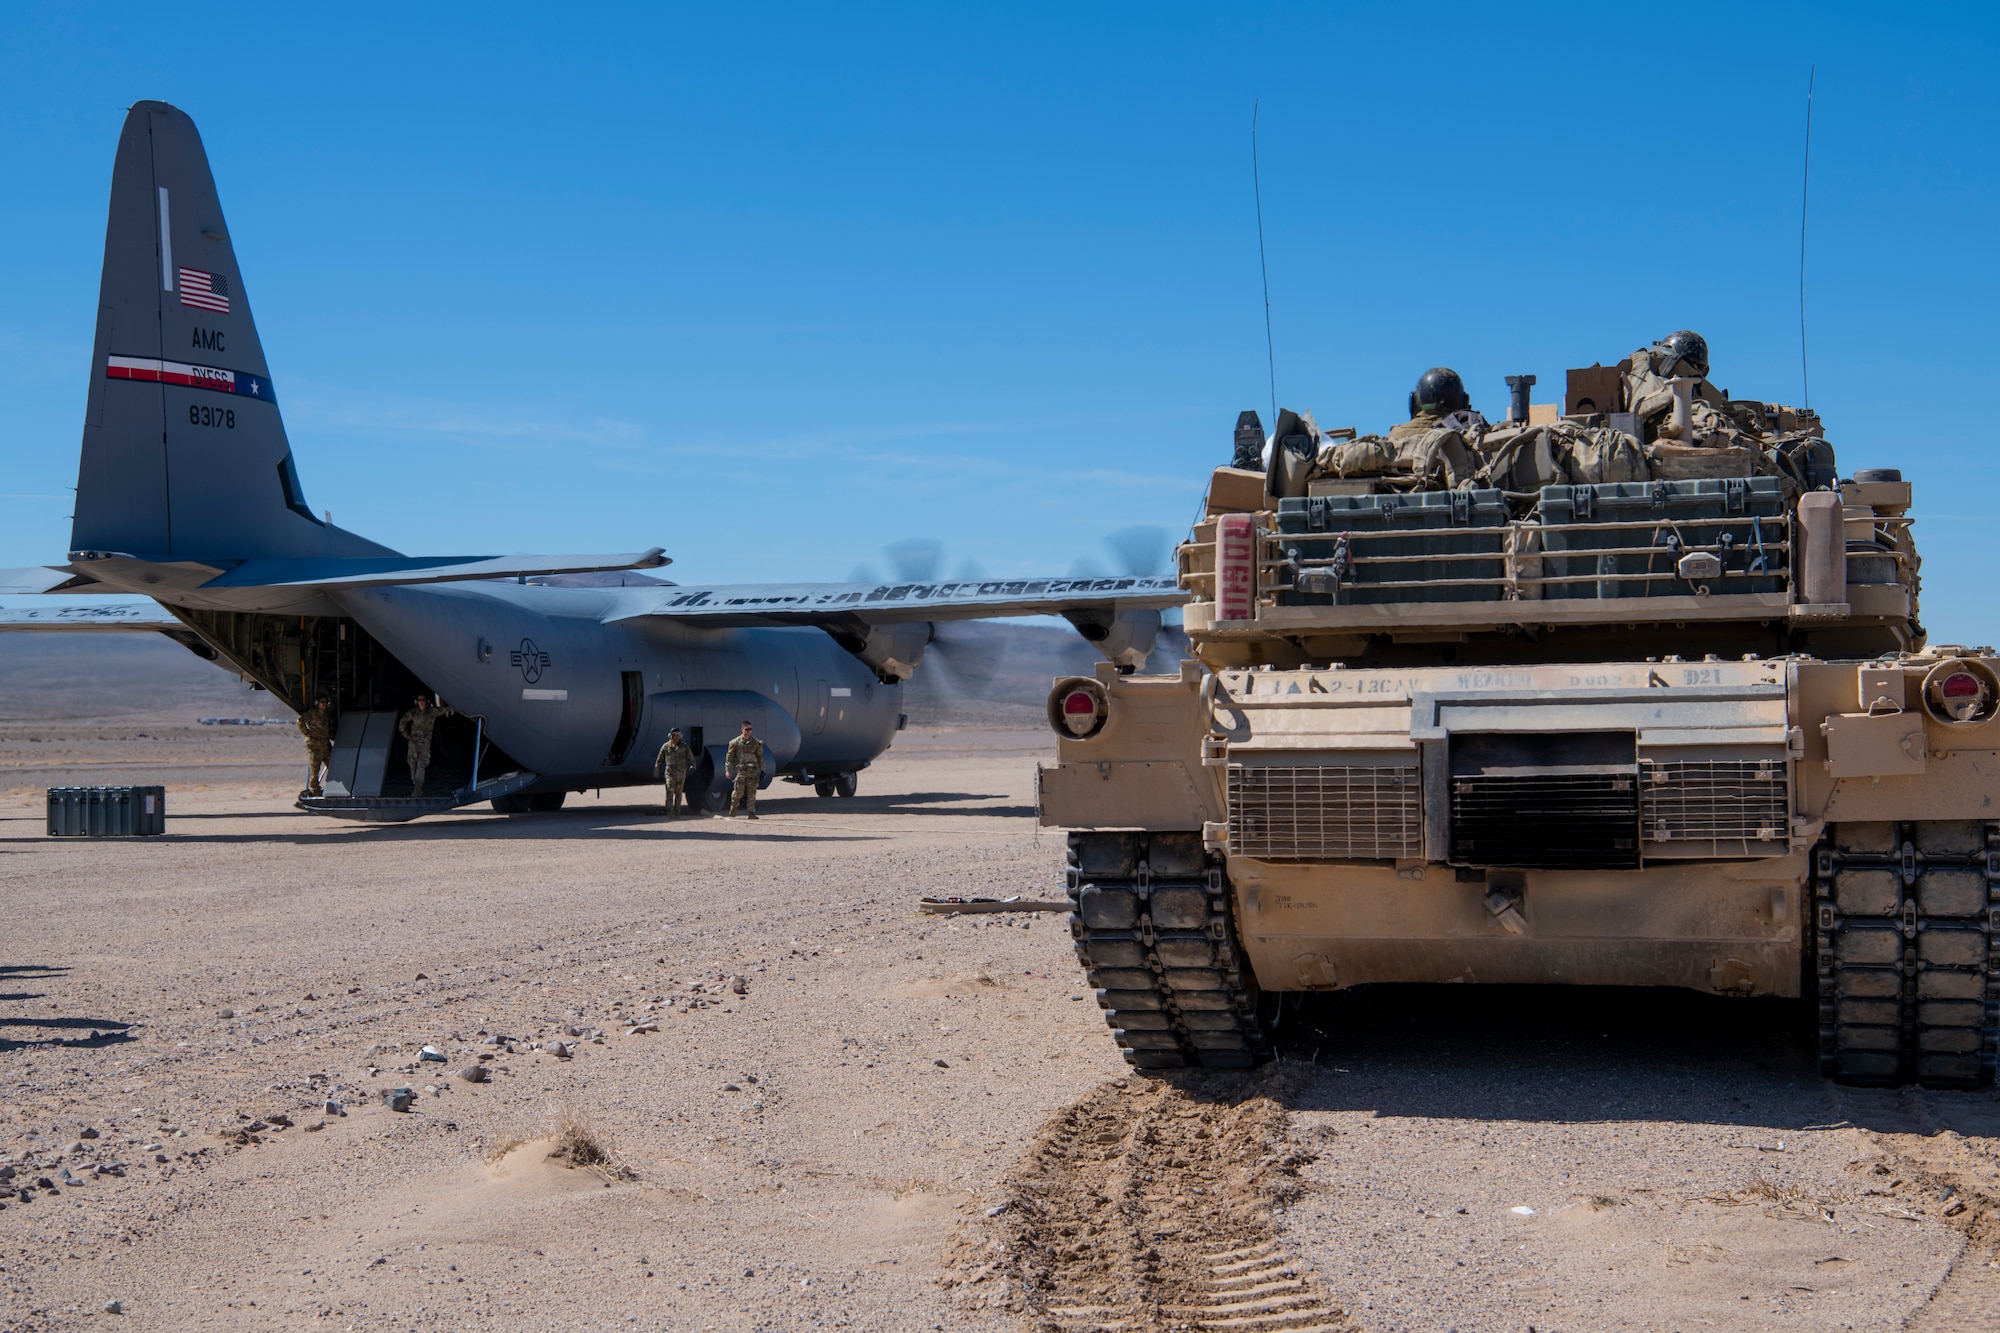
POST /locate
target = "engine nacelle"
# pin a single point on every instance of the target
(891, 651)
(1123, 638)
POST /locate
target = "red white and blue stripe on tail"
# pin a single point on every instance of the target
(193, 377)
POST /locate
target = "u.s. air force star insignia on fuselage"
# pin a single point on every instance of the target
(530, 659)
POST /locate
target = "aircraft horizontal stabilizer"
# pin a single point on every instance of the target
(852, 605)
(104, 617)
(370, 572)
(32, 581)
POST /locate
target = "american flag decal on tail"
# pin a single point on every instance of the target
(205, 291)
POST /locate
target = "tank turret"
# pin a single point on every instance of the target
(1555, 537)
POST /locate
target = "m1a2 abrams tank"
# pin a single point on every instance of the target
(1617, 697)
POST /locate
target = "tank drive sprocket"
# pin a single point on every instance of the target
(1151, 917)
(1906, 938)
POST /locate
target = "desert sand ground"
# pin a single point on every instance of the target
(824, 1109)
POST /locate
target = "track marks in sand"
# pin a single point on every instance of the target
(1148, 1206)
(1956, 1178)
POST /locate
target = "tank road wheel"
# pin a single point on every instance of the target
(846, 784)
(823, 789)
(1151, 918)
(1907, 953)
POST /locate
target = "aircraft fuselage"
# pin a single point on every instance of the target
(552, 680)
(571, 688)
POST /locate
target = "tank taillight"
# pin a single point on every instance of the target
(1078, 708)
(1961, 690)
(1960, 685)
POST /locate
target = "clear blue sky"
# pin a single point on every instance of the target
(775, 288)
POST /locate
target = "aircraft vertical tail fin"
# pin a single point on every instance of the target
(184, 450)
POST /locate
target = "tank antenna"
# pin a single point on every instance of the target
(1805, 192)
(1257, 187)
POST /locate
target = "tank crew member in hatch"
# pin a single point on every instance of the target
(1649, 374)
(1439, 402)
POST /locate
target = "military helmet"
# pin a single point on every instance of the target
(1439, 390)
(1683, 352)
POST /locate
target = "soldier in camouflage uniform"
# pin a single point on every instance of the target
(1649, 376)
(417, 726)
(316, 725)
(744, 762)
(1439, 402)
(671, 768)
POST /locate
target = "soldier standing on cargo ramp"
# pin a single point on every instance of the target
(316, 725)
(417, 726)
(744, 761)
(671, 767)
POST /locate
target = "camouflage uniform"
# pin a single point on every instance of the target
(671, 767)
(1650, 395)
(417, 725)
(744, 758)
(316, 725)
(1466, 422)
(1420, 424)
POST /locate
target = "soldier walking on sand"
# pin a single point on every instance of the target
(316, 725)
(671, 768)
(744, 761)
(417, 726)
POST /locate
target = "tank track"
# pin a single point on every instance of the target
(1150, 914)
(1906, 924)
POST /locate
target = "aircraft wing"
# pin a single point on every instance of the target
(104, 617)
(847, 605)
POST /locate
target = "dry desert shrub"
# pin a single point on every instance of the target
(1781, 1192)
(576, 1142)
(1763, 1189)
(579, 1143)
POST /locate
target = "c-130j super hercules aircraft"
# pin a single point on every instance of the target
(187, 494)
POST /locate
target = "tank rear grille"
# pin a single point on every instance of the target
(1546, 820)
(1716, 807)
(1326, 812)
